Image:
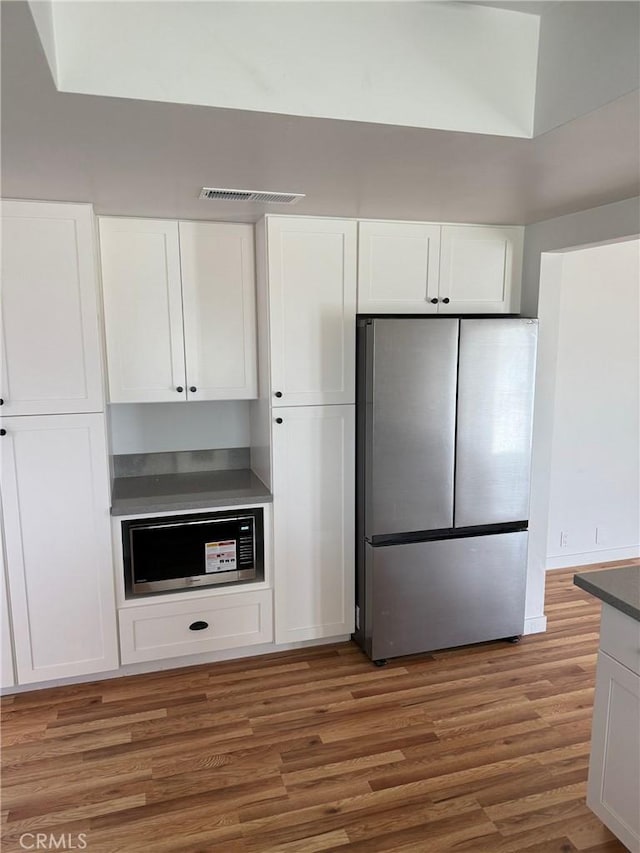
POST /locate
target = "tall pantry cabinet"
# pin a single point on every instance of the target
(53, 473)
(305, 416)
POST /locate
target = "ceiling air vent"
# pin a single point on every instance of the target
(259, 196)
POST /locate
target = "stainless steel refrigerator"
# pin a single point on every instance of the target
(444, 411)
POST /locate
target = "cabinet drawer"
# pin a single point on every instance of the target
(157, 631)
(620, 638)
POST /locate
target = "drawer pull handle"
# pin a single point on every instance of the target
(198, 626)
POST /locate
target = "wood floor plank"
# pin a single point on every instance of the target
(482, 749)
(339, 768)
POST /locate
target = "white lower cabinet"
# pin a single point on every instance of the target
(172, 629)
(55, 506)
(614, 766)
(7, 676)
(313, 506)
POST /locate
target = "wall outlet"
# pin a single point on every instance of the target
(564, 539)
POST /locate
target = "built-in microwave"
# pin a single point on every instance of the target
(179, 552)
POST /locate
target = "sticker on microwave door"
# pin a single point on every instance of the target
(220, 556)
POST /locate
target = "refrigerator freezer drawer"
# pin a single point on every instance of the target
(434, 595)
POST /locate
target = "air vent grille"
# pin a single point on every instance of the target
(257, 196)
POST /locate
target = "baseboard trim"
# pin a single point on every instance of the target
(174, 663)
(587, 558)
(535, 625)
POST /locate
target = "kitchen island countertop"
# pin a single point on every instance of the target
(619, 588)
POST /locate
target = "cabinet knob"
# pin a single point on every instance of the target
(278, 394)
(193, 389)
(1, 402)
(198, 626)
(446, 300)
(179, 389)
(278, 420)
(433, 301)
(3, 432)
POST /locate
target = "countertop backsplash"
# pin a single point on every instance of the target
(180, 462)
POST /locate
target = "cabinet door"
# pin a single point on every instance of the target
(50, 336)
(143, 310)
(480, 269)
(56, 514)
(312, 291)
(398, 264)
(313, 506)
(614, 767)
(218, 297)
(7, 678)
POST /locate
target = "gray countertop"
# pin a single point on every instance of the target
(618, 587)
(194, 490)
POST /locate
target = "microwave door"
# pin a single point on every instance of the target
(180, 553)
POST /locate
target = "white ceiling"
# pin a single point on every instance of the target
(150, 159)
(451, 66)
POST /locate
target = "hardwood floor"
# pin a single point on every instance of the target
(482, 749)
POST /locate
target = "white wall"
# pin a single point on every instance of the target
(160, 427)
(589, 54)
(454, 66)
(553, 313)
(594, 484)
(619, 220)
(543, 415)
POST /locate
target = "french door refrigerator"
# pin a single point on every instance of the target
(444, 411)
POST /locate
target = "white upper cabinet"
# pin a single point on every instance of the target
(398, 264)
(179, 310)
(423, 268)
(142, 309)
(218, 298)
(312, 300)
(51, 359)
(55, 505)
(480, 269)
